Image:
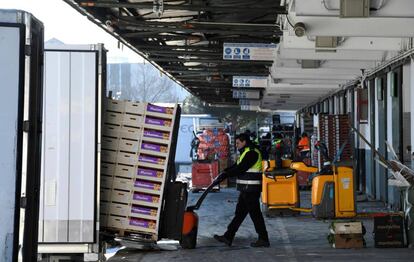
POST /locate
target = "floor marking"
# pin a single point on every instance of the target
(285, 239)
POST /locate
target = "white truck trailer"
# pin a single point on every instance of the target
(74, 84)
(21, 59)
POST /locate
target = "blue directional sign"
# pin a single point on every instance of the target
(249, 81)
(249, 51)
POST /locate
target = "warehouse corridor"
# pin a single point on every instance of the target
(283, 96)
(300, 238)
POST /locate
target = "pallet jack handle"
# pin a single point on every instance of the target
(201, 199)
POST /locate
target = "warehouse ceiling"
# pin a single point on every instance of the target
(323, 46)
(185, 38)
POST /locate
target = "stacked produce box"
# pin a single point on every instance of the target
(214, 144)
(342, 130)
(136, 147)
(334, 131)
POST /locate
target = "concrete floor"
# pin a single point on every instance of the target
(299, 238)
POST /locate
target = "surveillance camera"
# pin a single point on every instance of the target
(300, 29)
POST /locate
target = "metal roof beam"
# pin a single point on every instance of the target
(166, 59)
(238, 73)
(196, 24)
(217, 48)
(187, 55)
(183, 52)
(253, 31)
(276, 9)
(242, 67)
(203, 81)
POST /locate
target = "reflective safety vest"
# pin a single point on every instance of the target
(303, 144)
(276, 142)
(251, 180)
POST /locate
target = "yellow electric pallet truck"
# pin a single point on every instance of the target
(333, 193)
(280, 189)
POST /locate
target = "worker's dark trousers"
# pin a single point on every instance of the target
(248, 203)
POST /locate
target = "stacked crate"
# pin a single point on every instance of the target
(315, 156)
(389, 230)
(334, 130)
(326, 130)
(342, 129)
(136, 145)
(214, 144)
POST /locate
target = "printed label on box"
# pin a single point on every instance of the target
(160, 109)
(142, 223)
(153, 147)
(149, 172)
(144, 211)
(147, 185)
(146, 198)
(156, 121)
(156, 134)
(150, 159)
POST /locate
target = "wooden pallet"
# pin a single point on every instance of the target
(129, 233)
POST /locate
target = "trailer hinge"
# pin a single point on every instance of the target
(27, 50)
(26, 126)
(23, 202)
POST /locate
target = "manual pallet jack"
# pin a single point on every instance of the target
(333, 194)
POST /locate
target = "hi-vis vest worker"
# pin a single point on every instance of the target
(251, 180)
(248, 171)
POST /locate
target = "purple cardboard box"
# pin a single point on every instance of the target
(147, 185)
(149, 173)
(142, 223)
(151, 159)
(159, 109)
(156, 134)
(157, 122)
(146, 198)
(143, 210)
(154, 147)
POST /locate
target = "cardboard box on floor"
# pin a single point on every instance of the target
(348, 241)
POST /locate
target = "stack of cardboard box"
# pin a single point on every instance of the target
(136, 143)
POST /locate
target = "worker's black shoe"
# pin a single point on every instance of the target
(223, 239)
(260, 243)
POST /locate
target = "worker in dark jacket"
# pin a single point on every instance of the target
(278, 150)
(248, 171)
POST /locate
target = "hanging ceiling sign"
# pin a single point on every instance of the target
(242, 94)
(249, 108)
(249, 51)
(249, 81)
(247, 102)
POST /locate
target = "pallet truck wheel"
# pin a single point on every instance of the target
(190, 229)
(189, 241)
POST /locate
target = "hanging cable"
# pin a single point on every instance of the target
(287, 18)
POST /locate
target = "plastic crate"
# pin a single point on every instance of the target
(203, 174)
